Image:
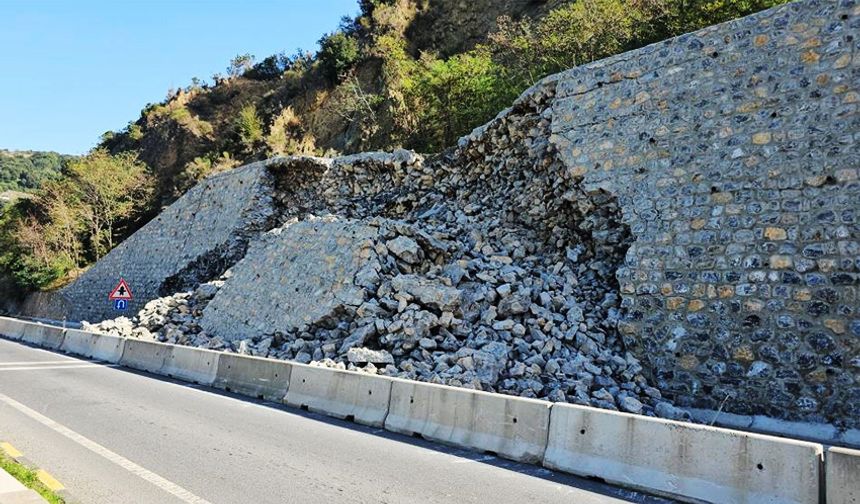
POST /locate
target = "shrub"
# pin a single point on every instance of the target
(249, 127)
(178, 113)
(338, 53)
(453, 96)
(271, 68)
(287, 136)
(571, 35)
(587, 30)
(135, 132)
(202, 167)
(240, 64)
(667, 18)
(433, 101)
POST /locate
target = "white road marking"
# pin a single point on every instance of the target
(98, 449)
(39, 368)
(38, 363)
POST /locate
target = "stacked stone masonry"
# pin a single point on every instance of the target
(735, 152)
(273, 291)
(677, 222)
(197, 237)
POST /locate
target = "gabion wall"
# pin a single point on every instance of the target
(734, 152)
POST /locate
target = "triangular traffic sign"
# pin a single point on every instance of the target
(121, 291)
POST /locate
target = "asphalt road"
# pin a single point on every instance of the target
(112, 435)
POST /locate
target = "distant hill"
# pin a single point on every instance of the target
(26, 170)
(11, 196)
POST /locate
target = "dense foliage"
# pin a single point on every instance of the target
(447, 98)
(339, 52)
(75, 220)
(26, 171)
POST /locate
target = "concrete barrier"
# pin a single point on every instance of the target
(842, 476)
(680, 459)
(511, 427)
(101, 347)
(252, 376)
(686, 461)
(12, 328)
(32, 334)
(176, 361)
(343, 394)
(45, 336)
(144, 355)
(191, 364)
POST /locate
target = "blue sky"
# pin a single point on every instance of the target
(71, 70)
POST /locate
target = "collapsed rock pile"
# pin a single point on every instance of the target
(487, 267)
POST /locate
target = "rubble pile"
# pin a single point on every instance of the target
(487, 267)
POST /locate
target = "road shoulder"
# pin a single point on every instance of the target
(22, 484)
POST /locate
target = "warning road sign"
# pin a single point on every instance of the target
(121, 291)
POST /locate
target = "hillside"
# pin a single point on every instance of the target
(415, 74)
(341, 101)
(27, 170)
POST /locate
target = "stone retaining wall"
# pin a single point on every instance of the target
(196, 238)
(734, 154)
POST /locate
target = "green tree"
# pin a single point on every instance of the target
(288, 136)
(249, 127)
(26, 254)
(455, 95)
(113, 191)
(63, 211)
(240, 64)
(339, 52)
